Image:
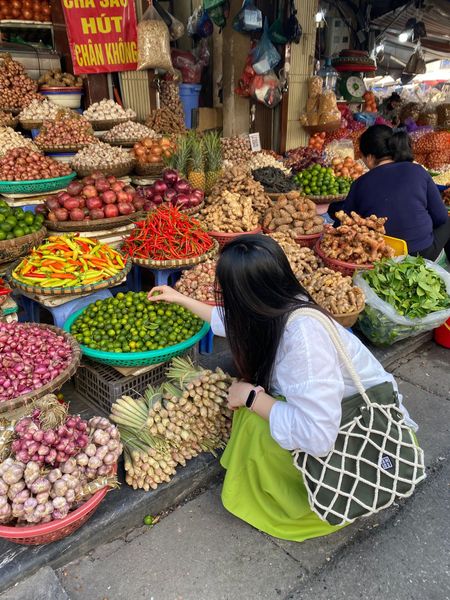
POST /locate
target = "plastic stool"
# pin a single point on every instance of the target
(60, 313)
(162, 277)
(206, 344)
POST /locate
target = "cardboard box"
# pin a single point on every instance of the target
(207, 118)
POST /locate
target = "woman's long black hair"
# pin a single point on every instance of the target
(258, 290)
(383, 142)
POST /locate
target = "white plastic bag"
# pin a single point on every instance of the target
(153, 42)
(382, 324)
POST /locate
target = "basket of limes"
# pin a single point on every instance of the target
(20, 231)
(321, 185)
(129, 331)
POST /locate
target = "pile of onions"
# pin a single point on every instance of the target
(25, 10)
(17, 90)
(68, 130)
(152, 151)
(102, 453)
(172, 189)
(198, 282)
(23, 164)
(30, 357)
(49, 446)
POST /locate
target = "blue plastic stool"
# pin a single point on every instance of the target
(162, 277)
(206, 344)
(60, 313)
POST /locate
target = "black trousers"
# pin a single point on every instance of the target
(441, 241)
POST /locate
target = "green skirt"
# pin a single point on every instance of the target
(262, 486)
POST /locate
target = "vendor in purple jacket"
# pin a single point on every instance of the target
(400, 190)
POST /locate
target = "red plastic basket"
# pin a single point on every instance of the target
(226, 238)
(442, 335)
(46, 533)
(307, 241)
(345, 268)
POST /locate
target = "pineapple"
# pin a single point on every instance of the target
(213, 159)
(196, 175)
(180, 159)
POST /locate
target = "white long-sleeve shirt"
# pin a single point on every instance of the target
(308, 373)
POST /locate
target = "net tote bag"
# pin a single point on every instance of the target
(375, 459)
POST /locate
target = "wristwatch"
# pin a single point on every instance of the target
(252, 396)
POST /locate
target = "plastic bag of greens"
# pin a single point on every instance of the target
(249, 18)
(153, 42)
(383, 324)
(265, 56)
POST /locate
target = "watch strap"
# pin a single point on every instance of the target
(252, 396)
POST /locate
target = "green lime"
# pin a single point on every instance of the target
(10, 236)
(19, 213)
(148, 520)
(29, 218)
(6, 227)
(2, 236)
(18, 232)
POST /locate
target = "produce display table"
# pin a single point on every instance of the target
(60, 307)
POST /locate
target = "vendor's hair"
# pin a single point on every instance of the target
(258, 290)
(382, 142)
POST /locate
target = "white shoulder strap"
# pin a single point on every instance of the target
(338, 344)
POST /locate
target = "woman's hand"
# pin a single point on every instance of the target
(166, 294)
(238, 393)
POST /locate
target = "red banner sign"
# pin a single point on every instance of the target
(102, 35)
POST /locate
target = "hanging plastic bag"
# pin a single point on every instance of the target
(205, 27)
(246, 78)
(176, 27)
(153, 42)
(266, 89)
(416, 64)
(249, 18)
(293, 28)
(210, 4)
(219, 14)
(276, 30)
(265, 56)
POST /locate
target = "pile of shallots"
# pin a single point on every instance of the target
(57, 460)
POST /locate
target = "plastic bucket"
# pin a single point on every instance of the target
(442, 335)
(189, 95)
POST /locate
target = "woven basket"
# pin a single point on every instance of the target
(51, 386)
(311, 129)
(345, 268)
(36, 186)
(123, 143)
(117, 171)
(226, 238)
(149, 170)
(96, 225)
(37, 535)
(193, 210)
(67, 291)
(138, 359)
(174, 263)
(28, 124)
(307, 241)
(349, 319)
(326, 199)
(106, 124)
(65, 148)
(17, 247)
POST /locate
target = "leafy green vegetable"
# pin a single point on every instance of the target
(412, 288)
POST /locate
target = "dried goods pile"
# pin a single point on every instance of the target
(11, 139)
(17, 90)
(198, 282)
(153, 150)
(163, 121)
(40, 111)
(167, 234)
(92, 198)
(53, 482)
(30, 357)
(357, 240)
(433, 149)
(130, 131)
(15, 222)
(23, 164)
(301, 158)
(303, 261)
(347, 167)
(5, 118)
(333, 291)
(263, 159)
(108, 110)
(320, 181)
(130, 323)
(230, 212)
(96, 157)
(68, 261)
(68, 130)
(171, 189)
(293, 214)
(236, 149)
(169, 97)
(238, 181)
(173, 423)
(56, 78)
(274, 180)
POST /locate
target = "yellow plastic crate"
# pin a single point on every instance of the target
(400, 246)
